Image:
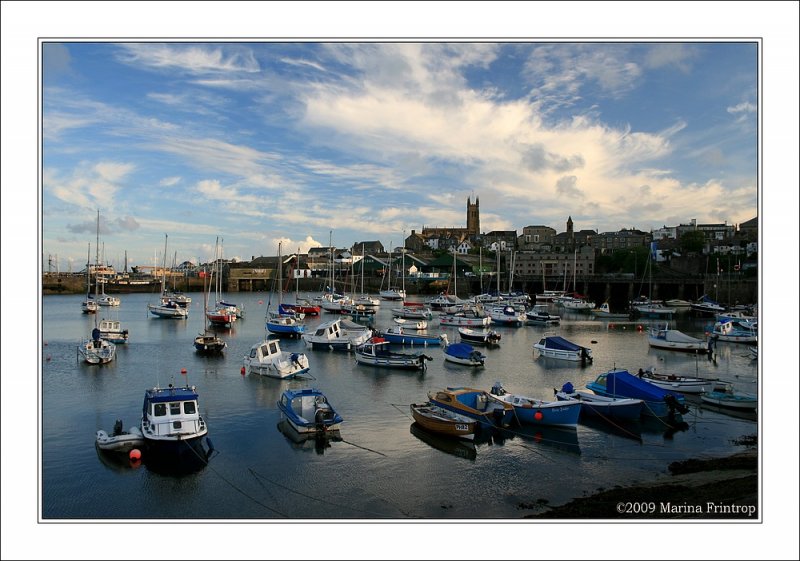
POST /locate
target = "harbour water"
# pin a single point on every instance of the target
(383, 467)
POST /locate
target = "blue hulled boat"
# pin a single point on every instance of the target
(537, 412)
(308, 411)
(658, 402)
(398, 335)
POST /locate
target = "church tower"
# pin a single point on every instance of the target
(473, 217)
(570, 234)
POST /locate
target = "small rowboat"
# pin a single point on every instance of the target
(119, 440)
(443, 421)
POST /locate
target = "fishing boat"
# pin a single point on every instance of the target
(462, 353)
(604, 312)
(173, 429)
(119, 440)
(418, 325)
(537, 412)
(674, 382)
(209, 343)
(658, 402)
(96, 350)
(376, 352)
(553, 346)
(705, 305)
(400, 336)
(724, 395)
(733, 333)
(506, 315)
(474, 403)
(443, 421)
(539, 315)
(111, 330)
(308, 411)
(471, 316)
(674, 340)
(601, 406)
(337, 335)
(487, 337)
(267, 359)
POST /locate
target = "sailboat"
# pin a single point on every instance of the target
(235, 309)
(103, 299)
(393, 293)
(277, 323)
(645, 306)
(167, 308)
(89, 306)
(95, 349)
(365, 299)
(207, 342)
(174, 295)
(221, 315)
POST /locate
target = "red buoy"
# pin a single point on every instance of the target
(242, 370)
(135, 454)
(183, 371)
(538, 415)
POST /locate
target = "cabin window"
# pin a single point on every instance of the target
(320, 332)
(189, 407)
(252, 353)
(159, 409)
(175, 408)
(273, 348)
(264, 350)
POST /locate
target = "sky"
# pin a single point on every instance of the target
(319, 142)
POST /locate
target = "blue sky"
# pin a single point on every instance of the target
(257, 142)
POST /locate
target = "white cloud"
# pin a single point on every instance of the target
(191, 58)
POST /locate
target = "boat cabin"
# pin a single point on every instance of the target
(171, 413)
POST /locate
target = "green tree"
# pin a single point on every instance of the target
(692, 242)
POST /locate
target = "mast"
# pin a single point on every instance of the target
(480, 265)
(403, 265)
(280, 277)
(97, 255)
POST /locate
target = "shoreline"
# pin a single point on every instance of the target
(697, 489)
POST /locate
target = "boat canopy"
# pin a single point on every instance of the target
(461, 350)
(623, 383)
(559, 343)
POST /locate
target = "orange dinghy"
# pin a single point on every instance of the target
(443, 421)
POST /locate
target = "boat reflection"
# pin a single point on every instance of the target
(116, 461)
(619, 427)
(452, 445)
(190, 460)
(563, 439)
(307, 442)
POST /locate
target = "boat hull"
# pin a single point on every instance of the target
(550, 413)
(475, 404)
(441, 421)
(605, 407)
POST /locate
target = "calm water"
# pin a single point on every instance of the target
(383, 467)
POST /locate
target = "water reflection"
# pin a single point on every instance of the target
(307, 442)
(562, 439)
(459, 447)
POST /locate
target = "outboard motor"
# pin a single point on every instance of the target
(117, 428)
(497, 389)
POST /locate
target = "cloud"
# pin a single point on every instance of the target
(192, 59)
(679, 55)
(567, 186)
(88, 185)
(536, 158)
(169, 181)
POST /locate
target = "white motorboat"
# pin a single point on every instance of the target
(267, 359)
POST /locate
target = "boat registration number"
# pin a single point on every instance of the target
(459, 426)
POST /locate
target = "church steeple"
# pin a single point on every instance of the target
(473, 217)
